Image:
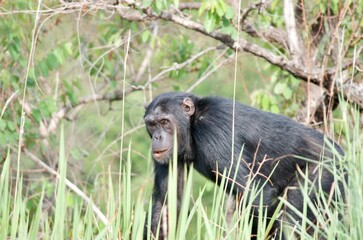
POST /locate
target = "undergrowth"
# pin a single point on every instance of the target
(126, 215)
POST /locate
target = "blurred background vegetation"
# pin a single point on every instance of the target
(93, 66)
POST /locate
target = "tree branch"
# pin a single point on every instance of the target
(353, 92)
(70, 185)
(292, 36)
(146, 62)
(317, 76)
(177, 66)
(116, 95)
(208, 73)
(272, 34)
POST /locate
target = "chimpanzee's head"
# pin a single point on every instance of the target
(166, 114)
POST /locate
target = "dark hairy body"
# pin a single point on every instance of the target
(269, 143)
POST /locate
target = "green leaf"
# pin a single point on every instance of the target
(225, 23)
(44, 69)
(52, 62)
(146, 3)
(287, 93)
(72, 96)
(322, 7)
(273, 100)
(159, 5)
(11, 126)
(202, 8)
(2, 125)
(220, 11)
(43, 108)
(280, 87)
(145, 36)
(265, 102)
(176, 3)
(3, 140)
(234, 34)
(52, 107)
(335, 6)
(58, 53)
(31, 82)
(36, 114)
(14, 53)
(221, 7)
(76, 153)
(275, 109)
(229, 12)
(68, 48)
(229, 29)
(209, 22)
(294, 82)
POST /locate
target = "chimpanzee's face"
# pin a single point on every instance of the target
(163, 118)
(161, 127)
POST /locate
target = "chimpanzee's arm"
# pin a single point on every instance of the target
(159, 209)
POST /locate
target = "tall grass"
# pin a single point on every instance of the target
(127, 215)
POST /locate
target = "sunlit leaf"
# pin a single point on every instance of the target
(210, 22)
(2, 125)
(229, 12)
(280, 87)
(275, 109)
(145, 36)
(265, 102)
(288, 93)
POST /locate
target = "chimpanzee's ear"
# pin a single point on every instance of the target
(188, 107)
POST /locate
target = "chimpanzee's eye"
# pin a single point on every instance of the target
(164, 122)
(151, 124)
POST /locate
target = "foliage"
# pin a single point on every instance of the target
(75, 219)
(282, 94)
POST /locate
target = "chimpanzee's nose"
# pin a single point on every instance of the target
(157, 137)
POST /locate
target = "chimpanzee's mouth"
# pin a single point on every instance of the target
(160, 153)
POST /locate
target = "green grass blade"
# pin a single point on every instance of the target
(5, 198)
(61, 200)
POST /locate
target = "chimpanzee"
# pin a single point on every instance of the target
(274, 149)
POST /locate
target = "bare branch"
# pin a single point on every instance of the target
(204, 76)
(177, 66)
(259, 6)
(188, 6)
(314, 75)
(272, 34)
(353, 92)
(131, 14)
(242, 44)
(116, 95)
(70, 185)
(318, 76)
(8, 101)
(292, 36)
(144, 64)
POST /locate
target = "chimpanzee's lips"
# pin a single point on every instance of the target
(160, 153)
